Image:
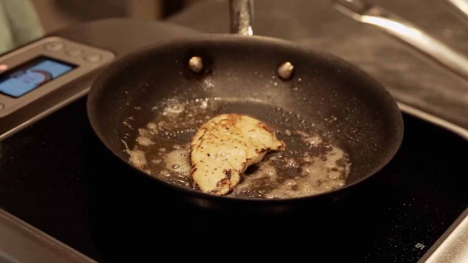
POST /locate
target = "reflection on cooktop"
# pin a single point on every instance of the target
(58, 177)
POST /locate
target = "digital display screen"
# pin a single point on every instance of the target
(32, 74)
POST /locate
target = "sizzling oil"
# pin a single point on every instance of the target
(310, 165)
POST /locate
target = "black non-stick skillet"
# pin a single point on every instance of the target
(275, 73)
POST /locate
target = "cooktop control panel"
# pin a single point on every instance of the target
(43, 67)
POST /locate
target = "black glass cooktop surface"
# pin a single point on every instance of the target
(56, 176)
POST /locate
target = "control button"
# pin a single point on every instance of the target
(2, 106)
(74, 52)
(93, 58)
(54, 46)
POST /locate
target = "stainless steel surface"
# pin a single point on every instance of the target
(452, 247)
(53, 47)
(460, 131)
(25, 243)
(93, 58)
(38, 113)
(17, 113)
(461, 6)
(105, 34)
(407, 32)
(74, 52)
(242, 15)
(410, 77)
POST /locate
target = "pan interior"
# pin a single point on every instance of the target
(312, 163)
(326, 96)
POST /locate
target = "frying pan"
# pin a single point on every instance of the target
(274, 73)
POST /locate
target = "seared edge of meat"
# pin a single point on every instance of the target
(225, 146)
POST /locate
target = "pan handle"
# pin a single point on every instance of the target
(407, 32)
(242, 15)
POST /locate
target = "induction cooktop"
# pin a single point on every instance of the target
(56, 176)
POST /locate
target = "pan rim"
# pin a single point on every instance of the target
(98, 83)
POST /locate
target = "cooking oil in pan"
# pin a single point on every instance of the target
(310, 165)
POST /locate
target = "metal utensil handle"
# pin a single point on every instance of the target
(242, 15)
(407, 32)
(461, 6)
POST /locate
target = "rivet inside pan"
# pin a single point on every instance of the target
(196, 64)
(285, 71)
